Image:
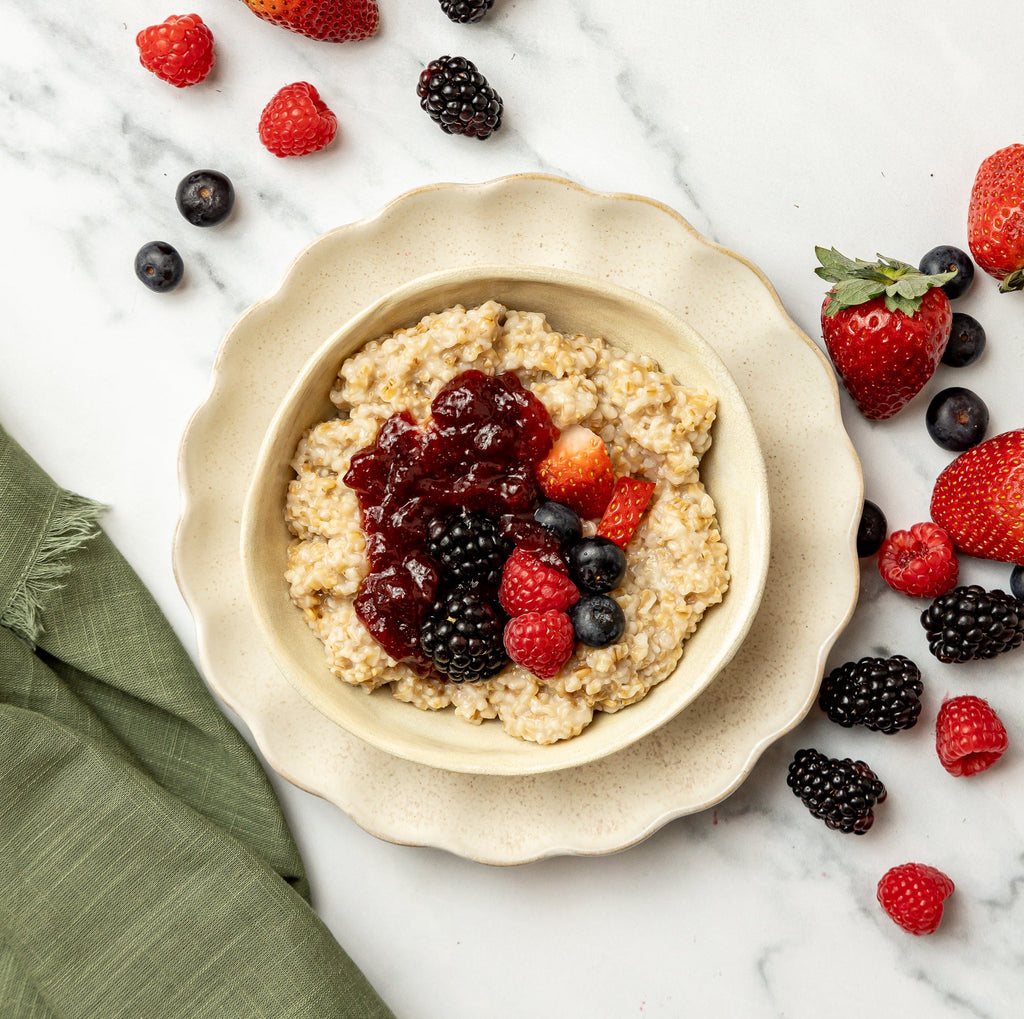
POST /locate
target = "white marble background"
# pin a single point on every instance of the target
(772, 128)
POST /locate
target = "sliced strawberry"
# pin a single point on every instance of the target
(622, 514)
(578, 472)
(528, 584)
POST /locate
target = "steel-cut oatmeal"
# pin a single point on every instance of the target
(654, 429)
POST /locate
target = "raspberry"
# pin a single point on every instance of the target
(540, 641)
(459, 98)
(179, 50)
(529, 585)
(841, 793)
(913, 894)
(969, 737)
(970, 622)
(882, 694)
(297, 121)
(920, 562)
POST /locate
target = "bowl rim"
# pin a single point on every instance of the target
(583, 752)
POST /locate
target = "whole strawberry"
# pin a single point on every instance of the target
(885, 325)
(540, 641)
(179, 50)
(297, 121)
(979, 499)
(969, 736)
(913, 894)
(995, 217)
(326, 20)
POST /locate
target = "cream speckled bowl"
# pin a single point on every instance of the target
(733, 471)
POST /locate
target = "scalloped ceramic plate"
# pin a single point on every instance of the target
(733, 472)
(815, 490)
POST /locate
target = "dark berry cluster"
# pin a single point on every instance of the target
(970, 622)
(466, 12)
(462, 636)
(459, 98)
(462, 633)
(842, 793)
(469, 549)
(882, 694)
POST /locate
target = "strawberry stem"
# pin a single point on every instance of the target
(855, 281)
(1015, 281)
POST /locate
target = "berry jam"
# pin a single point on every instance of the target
(477, 451)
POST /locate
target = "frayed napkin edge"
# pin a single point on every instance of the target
(73, 522)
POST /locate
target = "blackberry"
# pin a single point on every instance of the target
(469, 548)
(466, 11)
(842, 793)
(458, 98)
(463, 636)
(882, 694)
(970, 622)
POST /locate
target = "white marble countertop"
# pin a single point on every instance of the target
(771, 129)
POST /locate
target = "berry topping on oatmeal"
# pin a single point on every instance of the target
(422, 491)
(597, 564)
(541, 642)
(528, 584)
(597, 620)
(469, 548)
(561, 521)
(622, 514)
(462, 636)
(578, 472)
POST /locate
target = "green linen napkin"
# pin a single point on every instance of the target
(146, 868)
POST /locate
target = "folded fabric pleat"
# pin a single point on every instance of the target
(146, 865)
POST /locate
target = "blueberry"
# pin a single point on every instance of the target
(945, 258)
(159, 266)
(560, 520)
(597, 564)
(205, 197)
(871, 531)
(957, 419)
(966, 341)
(597, 620)
(1016, 582)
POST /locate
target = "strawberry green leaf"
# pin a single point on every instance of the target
(1015, 281)
(856, 281)
(897, 302)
